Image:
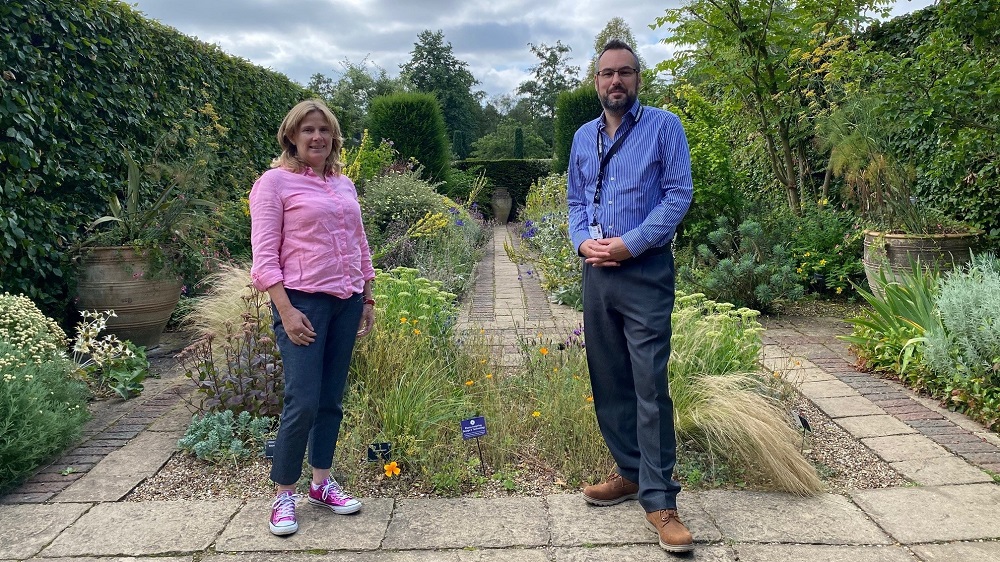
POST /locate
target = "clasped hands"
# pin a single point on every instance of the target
(606, 252)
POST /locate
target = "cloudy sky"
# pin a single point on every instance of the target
(302, 37)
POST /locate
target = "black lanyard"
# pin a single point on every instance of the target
(605, 158)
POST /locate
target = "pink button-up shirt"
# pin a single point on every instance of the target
(306, 232)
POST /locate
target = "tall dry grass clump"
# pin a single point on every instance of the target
(224, 304)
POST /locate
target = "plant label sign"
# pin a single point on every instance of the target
(269, 448)
(379, 452)
(473, 427)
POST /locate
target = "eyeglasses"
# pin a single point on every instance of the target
(624, 73)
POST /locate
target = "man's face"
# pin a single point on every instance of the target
(617, 93)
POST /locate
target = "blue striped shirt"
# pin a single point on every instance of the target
(647, 185)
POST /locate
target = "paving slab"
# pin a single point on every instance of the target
(123, 559)
(175, 421)
(467, 522)
(463, 555)
(574, 522)
(820, 553)
(967, 551)
(807, 375)
(785, 518)
(874, 426)
(826, 389)
(26, 529)
(934, 514)
(121, 471)
(641, 552)
(144, 529)
(896, 448)
(847, 406)
(319, 528)
(941, 471)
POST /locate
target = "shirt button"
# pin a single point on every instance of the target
(612, 179)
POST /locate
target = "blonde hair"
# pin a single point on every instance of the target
(290, 127)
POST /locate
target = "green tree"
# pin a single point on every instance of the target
(434, 68)
(552, 75)
(751, 53)
(573, 109)
(350, 96)
(616, 28)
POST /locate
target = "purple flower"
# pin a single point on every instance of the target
(453, 210)
(459, 222)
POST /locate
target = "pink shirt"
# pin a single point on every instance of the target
(306, 232)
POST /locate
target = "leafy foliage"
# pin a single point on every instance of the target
(573, 109)
(221, 437)
(414, 124)
(80, 79)
(502, 143)
(744, 265)
(396, 199)
(433, 68)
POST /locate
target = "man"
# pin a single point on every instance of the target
(623, 213)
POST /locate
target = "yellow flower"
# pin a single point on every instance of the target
(403, 320)
(590, 399)
(482, 361)
(536, 414)
(489, 375)
(544, 351)
(822, 262)
(839, 290)
(391, 469)
(469, 382)
(416, 332)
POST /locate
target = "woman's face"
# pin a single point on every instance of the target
(314, 141)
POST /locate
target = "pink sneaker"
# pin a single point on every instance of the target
(283, 520)
(330, 494)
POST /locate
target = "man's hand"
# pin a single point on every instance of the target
(606, 252)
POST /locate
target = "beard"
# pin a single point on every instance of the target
(617, 105)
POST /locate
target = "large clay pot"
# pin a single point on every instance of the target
(500, 203)
(894, 253)
(119, 279)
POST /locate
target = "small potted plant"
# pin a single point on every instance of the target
(134, 259)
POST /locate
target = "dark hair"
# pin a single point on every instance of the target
(616, 45)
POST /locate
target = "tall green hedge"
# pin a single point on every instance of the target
(573, 109)
(515, 175)
(414, 122)
(81, 79)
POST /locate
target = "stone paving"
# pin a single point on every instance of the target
(948, 514)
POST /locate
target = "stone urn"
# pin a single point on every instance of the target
(894, 253)
(501, 203)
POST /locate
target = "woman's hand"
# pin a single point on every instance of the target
(367, 320)
(297, 326)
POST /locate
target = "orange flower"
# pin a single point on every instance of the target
(590, 399)
(391, 469)
(544, 351)
(469, 382)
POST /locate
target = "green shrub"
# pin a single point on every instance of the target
(825, 244)
(222, 438)
(573, 109)
(964, 357)
(744, 266)
(396, 199)
(30, 334)
(368, 160)
(415, 125)
(42, 410)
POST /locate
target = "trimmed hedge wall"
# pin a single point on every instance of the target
(516, 175)
(573, 109)
(82, 79)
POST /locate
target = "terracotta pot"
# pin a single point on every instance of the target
(117, 278)
(895, 252)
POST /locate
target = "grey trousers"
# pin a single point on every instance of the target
(626, 315)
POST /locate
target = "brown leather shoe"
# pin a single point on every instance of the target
(674, 536)
(615, 489)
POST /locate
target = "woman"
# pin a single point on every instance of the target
(311, 255)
